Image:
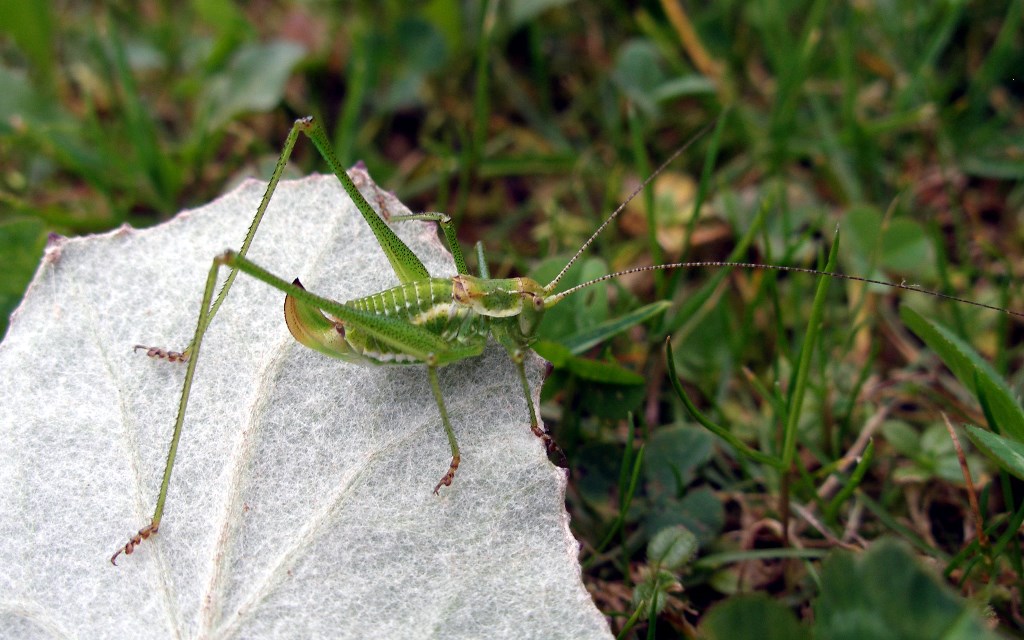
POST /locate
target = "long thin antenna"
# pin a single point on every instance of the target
(772, 267)
(675, 154)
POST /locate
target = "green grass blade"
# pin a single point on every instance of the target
(970, 369)
(708, 424)
(1009, 455)
(588, 338)
(796, 398)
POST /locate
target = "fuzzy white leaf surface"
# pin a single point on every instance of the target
(301, 503)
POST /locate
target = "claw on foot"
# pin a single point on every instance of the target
(446, 479)
(157, 352)
(143, 534)
(551, 446)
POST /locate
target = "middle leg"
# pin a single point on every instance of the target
(446, 479)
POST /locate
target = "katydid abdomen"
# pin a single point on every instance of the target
(428, 304)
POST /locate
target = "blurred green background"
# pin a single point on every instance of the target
(898, 122)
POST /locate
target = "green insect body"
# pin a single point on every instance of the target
(462, 311)
(425, 320)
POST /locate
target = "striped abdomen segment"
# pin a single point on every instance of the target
(425, 303)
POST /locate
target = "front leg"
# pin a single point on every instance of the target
(517, 356)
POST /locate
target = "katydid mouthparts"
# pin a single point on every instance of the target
(423, 320)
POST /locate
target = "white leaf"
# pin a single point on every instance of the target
(301, 503)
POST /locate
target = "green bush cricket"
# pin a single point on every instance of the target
(422, 321)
